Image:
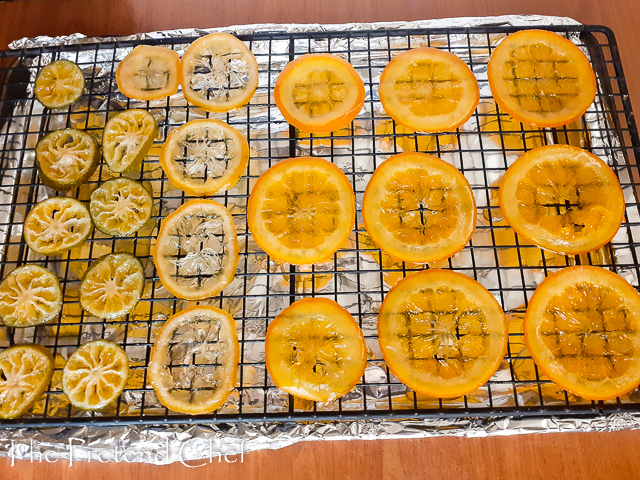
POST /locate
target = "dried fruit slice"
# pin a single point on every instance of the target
(193, 365)
(149, 73)
(301, 210)
(59, 84)
(120, 207)
(429, 90)
(112, 286)
(56, 225)
(66, 158)
(315, 350)
(95, 374)
(582, 328)
(441, 333)
(541, 78)
(127, 138)
(419, 208)
(563, 199)
(196, 252)
(30, 295)
(319, 92)
(219, 73)
(204, 157)
(25, 373)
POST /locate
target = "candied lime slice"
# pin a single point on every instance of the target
(127, 138)
(59, 84)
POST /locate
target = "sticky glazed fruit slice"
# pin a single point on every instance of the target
(196, 252)
(204, 157)
(127, 138)
(301, 210)
(582, 328)
(315, 350)
(419, 208)
(149, 73)
(562, 199)
(441, 333)
(59, 84)
(429, 90)
(541, 78)
(193, 365)
(219, 73)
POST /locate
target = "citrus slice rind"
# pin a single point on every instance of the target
(193, 365)
(56, 225)
(301, 210)
(315, 350)
(59, 84)
(127, 138)
(148, 73)
(562, 199)
(120, 207)
(204, 157)
(95, 374)
(541, 78)
(441, 333)
(419, 208)
(66, 158)
(196, 252)
(112, 286)
(25, 373)
(582, 330)
(30, 295)
(219, 73)
(428, 90)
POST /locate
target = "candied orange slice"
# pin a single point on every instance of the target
(59, 84)
(315, 350)
(429, 90)
(582, 328)
(319, 92)
(562, 199)
(149, 73)
(193, 365)
(196, 252)
(419, 208)
(541, 78)
(301, 210)
(441, 333)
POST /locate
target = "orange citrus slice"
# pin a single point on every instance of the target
(149, 73)
(541, 78)
(441, 333)
(59, 84)
(301, 210)
(562, 199)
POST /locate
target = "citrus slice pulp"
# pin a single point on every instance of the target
(59, 84)
(127, 138)
(148, 73)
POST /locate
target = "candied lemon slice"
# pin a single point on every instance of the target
(95, 374)
(149, 73)
(441, 333)
(66, 158)
(204, 157)
(582, 329)
(219, 73)
(428, 90)
(315, 350)
(120, 207)
(319, 92)
(563, 199)
(196, 253)
(56, 225)
(301, 210)
(419, 208)
(541, 78)
(59, 84)
(193, 365)
(25, 373)
(127, 138)
(30, 295)
(112, 286)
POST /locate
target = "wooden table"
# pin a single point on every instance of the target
(550, 456)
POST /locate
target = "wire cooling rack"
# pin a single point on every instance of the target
(359, 275)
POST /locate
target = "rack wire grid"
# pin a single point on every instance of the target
(359, 274)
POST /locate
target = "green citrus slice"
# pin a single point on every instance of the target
(59, 84)
(127, 138)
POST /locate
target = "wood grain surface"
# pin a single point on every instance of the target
(551, 456)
